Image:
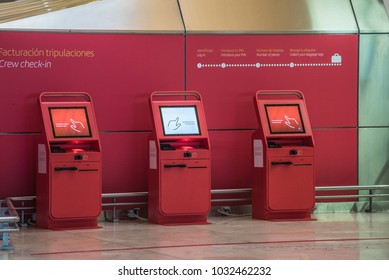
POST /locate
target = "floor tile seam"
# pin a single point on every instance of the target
(212, 244)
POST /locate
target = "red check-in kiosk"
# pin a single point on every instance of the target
(283, 185)
(180, 160)
(69, 171)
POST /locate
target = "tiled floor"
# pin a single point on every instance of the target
(346, 236)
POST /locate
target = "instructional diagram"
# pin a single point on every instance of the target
(334, 61)
(266, 57)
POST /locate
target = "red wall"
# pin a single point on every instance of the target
(121, 70)
(118, 71)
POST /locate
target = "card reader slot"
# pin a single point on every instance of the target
(281, 163)
(67, 168)
(57, 149)
(180, 165)
(193, 167)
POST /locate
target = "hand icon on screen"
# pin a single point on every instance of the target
(175, 123)
(75, 124)
(288, 120)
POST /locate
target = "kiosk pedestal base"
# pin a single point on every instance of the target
(285, 216)
(175, 221)
(69, 225)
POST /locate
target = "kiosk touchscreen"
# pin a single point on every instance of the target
(179, 120)
(284, 119)
(70, 122)
(283, 185)
(69, 172)
(180, 161)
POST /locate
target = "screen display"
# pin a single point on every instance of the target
(69, 122)
(179, 120)
(284, 118)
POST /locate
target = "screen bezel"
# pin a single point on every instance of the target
(303, 131)
(70, 136)
(179, 134)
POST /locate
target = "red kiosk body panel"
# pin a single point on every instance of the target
(291, 184)
(73, 184)
(69, 169)
(283, 185)
(180, 163)
(189, 197)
